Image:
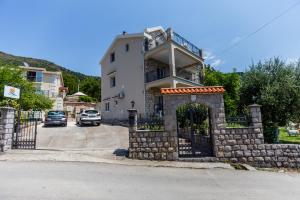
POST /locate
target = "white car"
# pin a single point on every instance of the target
(88, 117)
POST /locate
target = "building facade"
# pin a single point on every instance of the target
(73, 104)
(47, 83)
(136, 66)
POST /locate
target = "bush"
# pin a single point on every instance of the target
(198, 112)
(271, 133)
(86, 99)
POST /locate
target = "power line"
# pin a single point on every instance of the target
(261, 27)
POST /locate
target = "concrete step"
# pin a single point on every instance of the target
(199, 159)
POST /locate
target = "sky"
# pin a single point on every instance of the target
(76, 33)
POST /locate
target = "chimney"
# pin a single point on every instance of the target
(124, 33)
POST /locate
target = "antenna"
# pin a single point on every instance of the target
(78, 85)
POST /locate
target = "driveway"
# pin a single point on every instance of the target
(86, 137)
(103, 138)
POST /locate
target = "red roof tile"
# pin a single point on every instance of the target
(194, 90)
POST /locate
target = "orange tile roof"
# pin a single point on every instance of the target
(194, 90)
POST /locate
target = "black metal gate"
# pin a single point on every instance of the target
(193, 141)
(25, 133)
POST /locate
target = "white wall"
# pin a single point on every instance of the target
(129, 78)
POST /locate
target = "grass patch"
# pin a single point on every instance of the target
(234, 125)
(238, 166)
(286, 139)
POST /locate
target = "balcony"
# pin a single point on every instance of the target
(169, 35)
(156, 74)
(161, 77)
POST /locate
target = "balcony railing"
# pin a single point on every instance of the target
(157, 74)
(186, 44)
(153, 76)
(175, 37)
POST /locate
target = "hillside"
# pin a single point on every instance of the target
(89, 84)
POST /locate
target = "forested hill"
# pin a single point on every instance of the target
(88, 84)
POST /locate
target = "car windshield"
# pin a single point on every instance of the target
(91, 111)
(55, 113)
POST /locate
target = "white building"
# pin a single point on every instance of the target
(136, 66)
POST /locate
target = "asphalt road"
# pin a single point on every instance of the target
(82, 138)
(72, 181)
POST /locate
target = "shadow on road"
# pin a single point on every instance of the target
(121, 152)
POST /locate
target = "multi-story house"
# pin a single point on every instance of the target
(47, 83)
(136, 66)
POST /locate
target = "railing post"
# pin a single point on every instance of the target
(200, 53)
(169, 34)
(132, 120)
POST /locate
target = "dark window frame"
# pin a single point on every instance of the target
(112, 57)
(107, 106)
(112, 81)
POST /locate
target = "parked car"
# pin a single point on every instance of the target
(56, 117)
(88, 117)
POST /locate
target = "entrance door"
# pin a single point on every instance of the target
(193, 129)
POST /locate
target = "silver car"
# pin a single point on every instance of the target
(88, 117)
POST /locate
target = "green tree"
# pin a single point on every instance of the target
(70, 81)
(91, 86)
(231, 83)
(276, 86)
(87, 99)
(30, 100)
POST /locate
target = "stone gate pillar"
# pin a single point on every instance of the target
(132, 120)
(255, 115)
(256, 122)
(7, 119)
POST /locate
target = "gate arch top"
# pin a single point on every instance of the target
(211, 96)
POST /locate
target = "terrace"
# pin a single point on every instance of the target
(170, 35)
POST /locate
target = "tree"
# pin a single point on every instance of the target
(276, 86)
(231, 83)
(87, 99)
(70, 81)
(30, 100)
(91, 87)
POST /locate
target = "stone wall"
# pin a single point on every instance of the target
(7, 119)
(152, 145)
(152, 64)
(244, 145)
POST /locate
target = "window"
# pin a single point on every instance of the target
(158, 105)
(127, 47)
(161, 73)
(31, 76)
(107, 106)
(112, 57)
(35, 76)
(116, 103)
(39, 76)
(112, 81)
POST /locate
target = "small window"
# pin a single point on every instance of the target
(112, 57)
(127, 47)
(113, 81)
(107, 106)
(116, 103)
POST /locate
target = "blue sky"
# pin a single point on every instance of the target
(76, 33)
